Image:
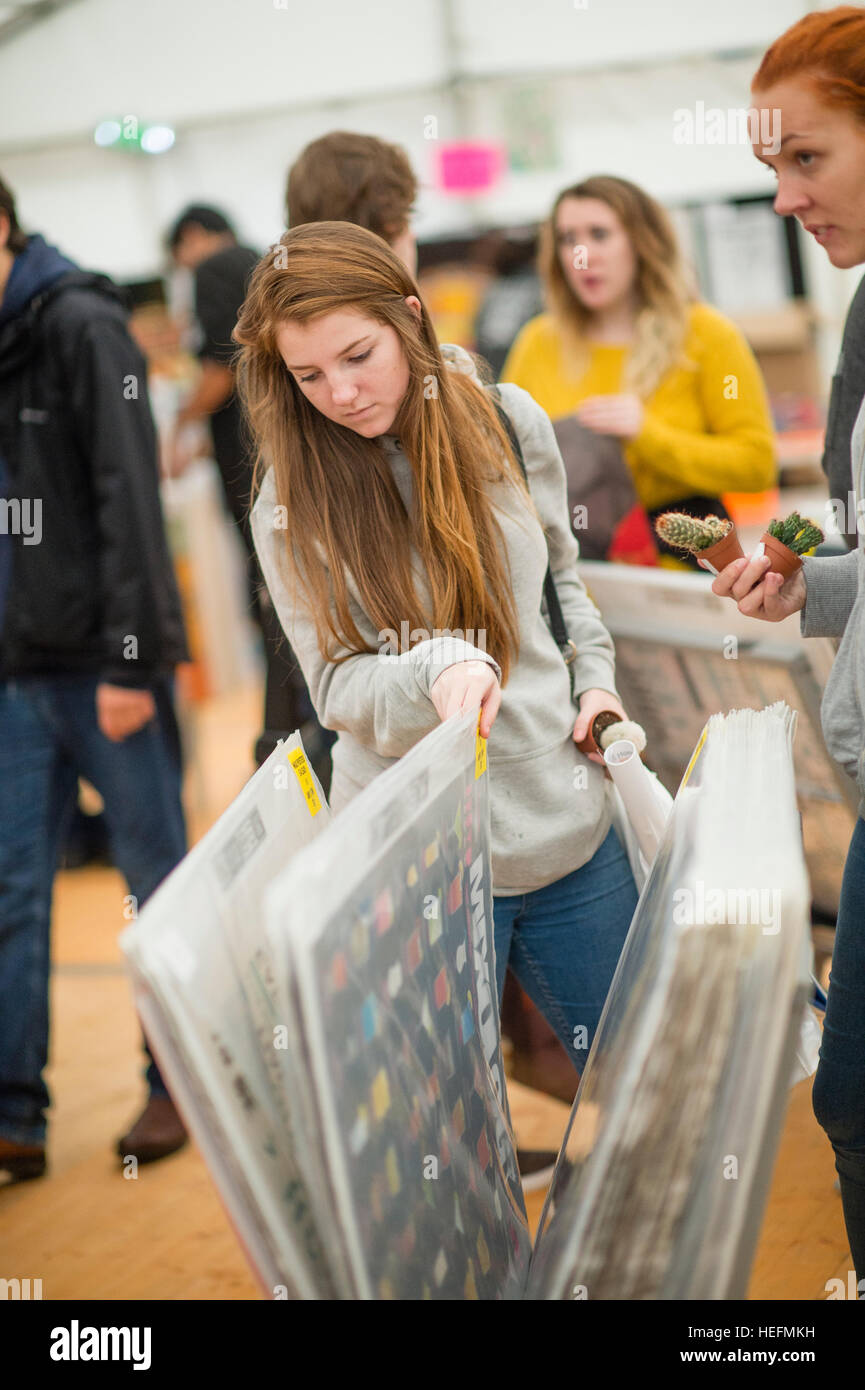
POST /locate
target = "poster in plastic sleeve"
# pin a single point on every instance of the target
(382, 930)
(205, 986)
(660, 1185)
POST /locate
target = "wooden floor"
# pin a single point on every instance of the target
(89, 1233)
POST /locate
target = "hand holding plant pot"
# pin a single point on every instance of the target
(602, 720)
(785, 542)
(713, 542)
(760, 592)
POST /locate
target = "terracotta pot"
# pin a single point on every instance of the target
(784, 560)
(601, 721)
(723, 552)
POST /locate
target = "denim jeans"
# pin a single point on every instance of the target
(48, 737)
(563, 943)
(839, 1086)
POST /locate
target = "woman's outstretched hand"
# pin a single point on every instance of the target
(592, 702)
(759, 591)
(465, 684)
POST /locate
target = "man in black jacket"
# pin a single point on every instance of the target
(90, 631)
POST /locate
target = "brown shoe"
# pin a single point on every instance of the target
(158, 1132)
(22, 1160)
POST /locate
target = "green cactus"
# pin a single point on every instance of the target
(691, 533)
(798, 533)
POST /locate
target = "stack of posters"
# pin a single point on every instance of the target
(321, 995)
(328, 1020)
(205, 989)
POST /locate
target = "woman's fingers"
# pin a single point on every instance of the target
(752, 605)
(490, 708)
(764, 601)
(725, 578)
(761, 592)
(753, 573)
(739, 577)
(462, 688)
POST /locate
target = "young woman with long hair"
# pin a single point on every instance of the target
(390, 501)
(626, 349)
(814, 74)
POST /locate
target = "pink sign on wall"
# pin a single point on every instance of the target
(470, 166)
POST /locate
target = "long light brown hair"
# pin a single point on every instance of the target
(342, 503)
(662, 284)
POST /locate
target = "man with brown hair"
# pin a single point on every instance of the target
(345, 177)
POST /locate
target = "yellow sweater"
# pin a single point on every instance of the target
(707, 427)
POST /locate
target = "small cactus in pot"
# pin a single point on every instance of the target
(785, 542)
(710, 539)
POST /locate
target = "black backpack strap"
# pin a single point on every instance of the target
(554, 608)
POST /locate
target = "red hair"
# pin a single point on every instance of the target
(827, 47)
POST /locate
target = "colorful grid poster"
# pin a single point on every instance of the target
(390, 962)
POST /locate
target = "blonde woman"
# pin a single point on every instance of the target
(626, 350)
(389, 501)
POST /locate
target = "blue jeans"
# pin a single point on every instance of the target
(563, 943)
(48, 737)
(839, 1086)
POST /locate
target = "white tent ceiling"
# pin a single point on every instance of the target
(17, 17)
(193, 61)
(247, 83)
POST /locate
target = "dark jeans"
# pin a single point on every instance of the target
(48, 738)
(563, 943)
(839, 1086)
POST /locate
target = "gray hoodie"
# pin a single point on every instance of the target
(549, 811)
(835, 607)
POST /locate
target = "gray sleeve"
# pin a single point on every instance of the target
(830, 592)
(595, 664)
(383, 700)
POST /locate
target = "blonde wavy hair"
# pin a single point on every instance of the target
(663, 285)
(341, 501)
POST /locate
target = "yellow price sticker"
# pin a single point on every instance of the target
(480, 752)
(304, 777)
(694, 756)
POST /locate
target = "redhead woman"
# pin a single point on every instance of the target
(815, 75)
(390, 500)
(625, 349)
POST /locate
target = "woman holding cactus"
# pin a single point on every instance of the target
(815, 75)
(625, 349)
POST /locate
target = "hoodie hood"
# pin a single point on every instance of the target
(460, 360)
(38, 275)
(33, 270)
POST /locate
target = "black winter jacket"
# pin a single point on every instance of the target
(97, 594)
